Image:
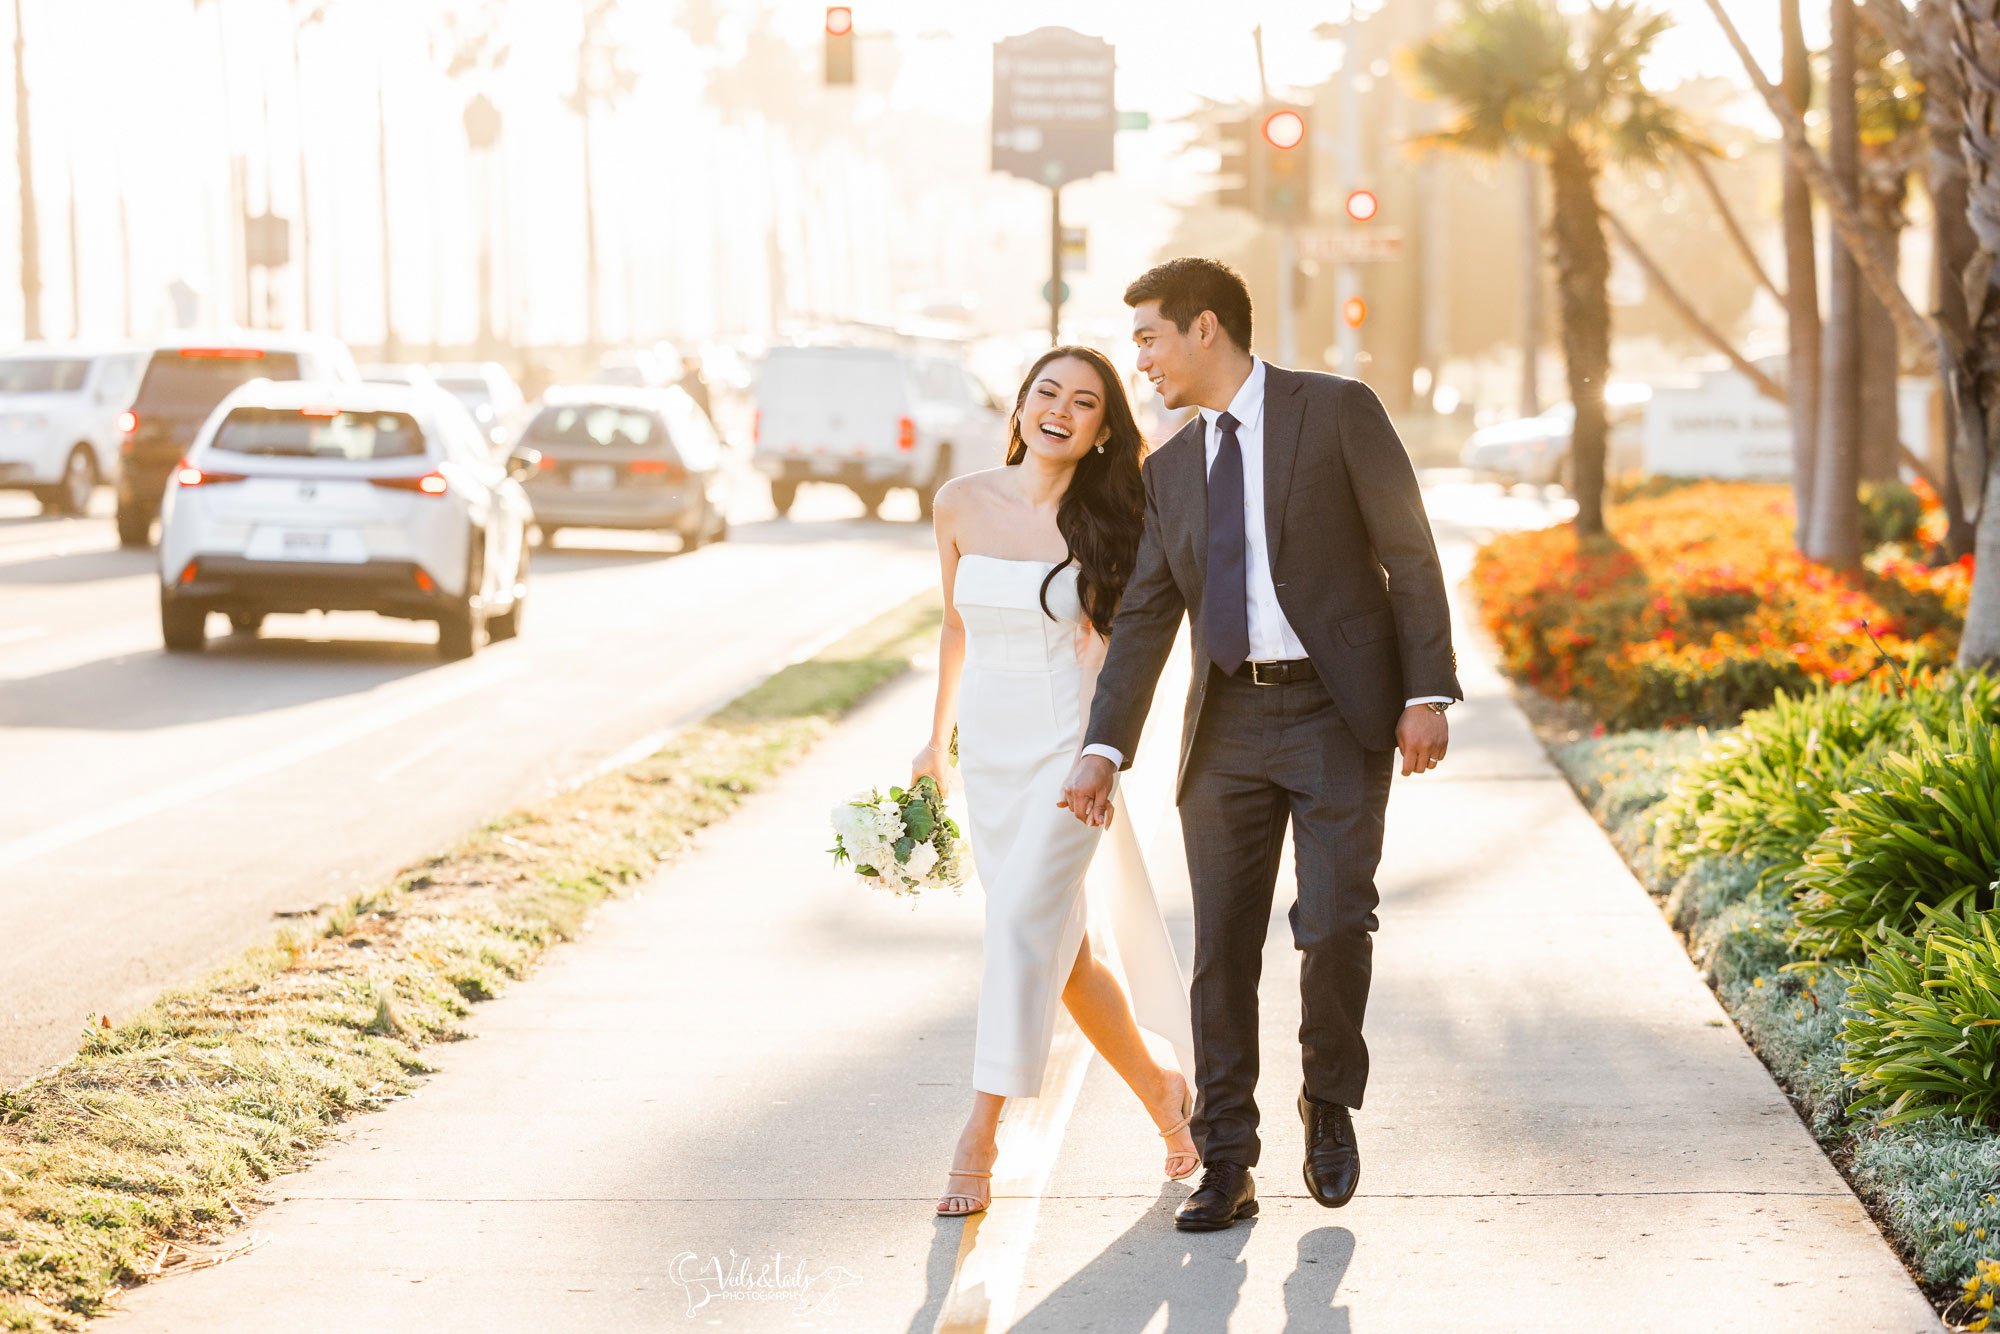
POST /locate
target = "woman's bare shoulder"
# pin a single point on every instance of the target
(972, 491)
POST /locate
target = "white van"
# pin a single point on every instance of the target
(60, 410)
(870, 419)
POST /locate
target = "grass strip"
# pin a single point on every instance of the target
(112, 1164)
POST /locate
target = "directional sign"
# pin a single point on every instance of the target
(1075, 250)
(1054, 114)
(1373, 246)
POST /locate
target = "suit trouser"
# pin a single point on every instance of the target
(1263, 755)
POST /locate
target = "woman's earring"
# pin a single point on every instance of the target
(1100, 449)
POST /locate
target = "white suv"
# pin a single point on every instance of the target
(60, 420)
(330, 496)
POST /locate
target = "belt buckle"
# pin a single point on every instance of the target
(1257, 676)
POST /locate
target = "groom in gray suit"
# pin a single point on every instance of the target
(1285, 521)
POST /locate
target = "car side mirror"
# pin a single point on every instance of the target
(523, 462)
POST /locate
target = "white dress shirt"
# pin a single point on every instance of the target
(1272, 638)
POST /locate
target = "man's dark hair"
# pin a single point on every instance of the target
(1186, 287)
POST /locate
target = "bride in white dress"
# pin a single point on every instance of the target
(1033, 558)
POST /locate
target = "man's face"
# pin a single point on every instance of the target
(1172, 360)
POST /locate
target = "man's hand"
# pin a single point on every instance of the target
(1422, 737)
(1087, 794)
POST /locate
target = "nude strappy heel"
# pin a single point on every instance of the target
(976, 1203)
(1187, 1115)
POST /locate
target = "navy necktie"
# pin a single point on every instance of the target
(1225, 599)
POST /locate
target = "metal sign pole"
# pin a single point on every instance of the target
(1288, 265)
(1055, 265)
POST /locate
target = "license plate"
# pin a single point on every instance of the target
(306, 545)
(593, 477)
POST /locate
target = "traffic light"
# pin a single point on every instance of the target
(839, 46)
(1354, 310)
(1363, 206)
(1242, 177)
(1287, 165)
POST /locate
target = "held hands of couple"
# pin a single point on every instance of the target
(1087, 793)
(1423, 736)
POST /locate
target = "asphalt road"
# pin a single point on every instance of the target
(158, 813)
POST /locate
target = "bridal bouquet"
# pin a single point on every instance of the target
(903, 842)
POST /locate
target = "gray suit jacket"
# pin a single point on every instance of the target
(1356, 570)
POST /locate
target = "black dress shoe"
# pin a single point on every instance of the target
(1333, 1159)
(1226, 1194)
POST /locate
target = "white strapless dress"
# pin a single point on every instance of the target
(1020, 728)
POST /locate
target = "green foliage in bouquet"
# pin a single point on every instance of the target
(904, 842)
(1923, 1035)
(1923, 830)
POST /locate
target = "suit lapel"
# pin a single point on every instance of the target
(1284, 418)
(1187, 486)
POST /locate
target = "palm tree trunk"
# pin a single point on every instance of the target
(305, 208)
(1882, 191)
(1583, 276)
(1833, 528)
(592, 325)
(1532, 288)
(31, 249)
(1977, 30)
(1929, 44)
(389, 340)
(1801, 281)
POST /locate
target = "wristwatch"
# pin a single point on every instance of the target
(1437, 706)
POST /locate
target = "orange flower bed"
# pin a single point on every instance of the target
(1697, 607)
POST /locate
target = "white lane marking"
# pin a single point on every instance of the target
(993, 1249)
(479, 676)
(21, 633)
(20, 553)
(436, 744)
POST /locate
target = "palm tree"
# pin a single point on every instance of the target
(1832, 526)
(1523, 77)
(31, 250)
(602, 79)
(1801, 276)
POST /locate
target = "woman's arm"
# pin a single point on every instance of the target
(935, 758)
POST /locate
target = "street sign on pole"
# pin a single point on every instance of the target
(1075, 250)
(1054, 113)
(1374, 246)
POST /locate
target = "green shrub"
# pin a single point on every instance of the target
(1923, 1037)
(1743, 942)
(1923, 830)
(1794, 1021)
(1890, 512)
(1709, 886)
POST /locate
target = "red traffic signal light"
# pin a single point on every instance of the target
(1355, 311)
(1362, 206)
(1284, 128)
(839, 46)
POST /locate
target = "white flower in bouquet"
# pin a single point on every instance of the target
(904, 842)
(923, 857)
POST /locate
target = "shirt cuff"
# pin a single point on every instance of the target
(1429, 699)
(1108, 752)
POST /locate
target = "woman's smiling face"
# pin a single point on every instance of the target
(1062, 419)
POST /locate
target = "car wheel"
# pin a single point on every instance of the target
(782, 496)
(183, 628)
(79, 482)
(695, 535)
(461, 627)
(927, 495)
(135, 527)
(508, 623)
(871, 495)
(548, 532)
(246, 622)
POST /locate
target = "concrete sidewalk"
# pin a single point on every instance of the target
(758, 1068)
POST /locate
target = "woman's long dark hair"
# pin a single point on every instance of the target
(1104, 510)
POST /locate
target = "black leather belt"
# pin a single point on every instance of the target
(1277, 673)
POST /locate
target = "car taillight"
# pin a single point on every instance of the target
(906, 433)
(430, 484)
(189, 475)
(545, 464)
(757, 427)
(667, 468)
(128, 421)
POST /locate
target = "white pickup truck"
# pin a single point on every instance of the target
(871, 419)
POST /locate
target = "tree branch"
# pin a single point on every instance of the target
(1729, 221)
(1917, 332)
(1761, 382)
